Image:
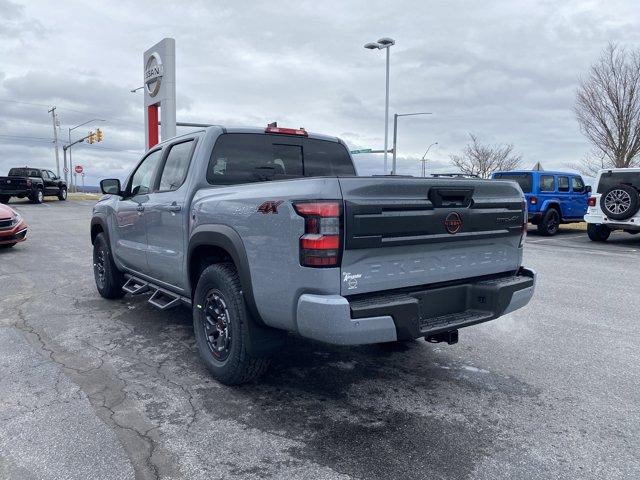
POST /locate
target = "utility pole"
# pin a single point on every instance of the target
(55, 138)
(395, 135)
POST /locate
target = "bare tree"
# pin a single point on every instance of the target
(483, 159)
(608, 109)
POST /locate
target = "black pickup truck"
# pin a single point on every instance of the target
(33, 183)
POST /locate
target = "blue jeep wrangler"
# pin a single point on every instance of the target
(552, 197)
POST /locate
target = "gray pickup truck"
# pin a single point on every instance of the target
(268, 231)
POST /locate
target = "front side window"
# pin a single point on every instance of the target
(577, 184)
(563, 184)
(546, 183)
(176, 166)
(142, 178)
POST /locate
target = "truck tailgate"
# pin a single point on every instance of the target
(9, 184)
(402, 232)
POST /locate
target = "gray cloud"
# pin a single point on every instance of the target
(504, 70)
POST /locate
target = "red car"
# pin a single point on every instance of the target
(13, 228)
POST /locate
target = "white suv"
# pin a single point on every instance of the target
(615, 203)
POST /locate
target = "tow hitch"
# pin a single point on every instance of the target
(450, 337)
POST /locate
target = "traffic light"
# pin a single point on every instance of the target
(90, 138)
(99, 135)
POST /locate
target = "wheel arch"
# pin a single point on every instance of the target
(210, 244)
(98, 225)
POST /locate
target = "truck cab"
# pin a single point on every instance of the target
(553, 198)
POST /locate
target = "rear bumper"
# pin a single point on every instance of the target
(394, 316)
(629, 224)
(16, 193)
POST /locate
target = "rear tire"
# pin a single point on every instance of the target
(62, 194)
(38, 196)
(109, 280)
(220, 323)
(4, 198)
(598, 233)
(550, 223)
(8, 245)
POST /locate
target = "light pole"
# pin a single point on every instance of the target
(384, 43)
(395, 135)
(424, 159)
(70, 162)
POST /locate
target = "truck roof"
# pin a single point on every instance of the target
(258, 130)
(541, 172)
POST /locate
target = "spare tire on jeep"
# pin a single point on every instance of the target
(620, 202)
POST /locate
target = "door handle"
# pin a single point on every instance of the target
(174, 207)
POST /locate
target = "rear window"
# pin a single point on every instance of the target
(523, 179)
(252, 157)
(608, 180)
(23, 172)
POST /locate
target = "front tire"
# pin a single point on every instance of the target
(109, 280)
(550, 223)
(4, 198)
(8, 245)
(62, 194)
(221, 325)
(598, 233)
(38, 196)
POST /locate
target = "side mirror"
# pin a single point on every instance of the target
(588, 189)
(111, 186)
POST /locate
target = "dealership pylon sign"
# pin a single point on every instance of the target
(160, 91)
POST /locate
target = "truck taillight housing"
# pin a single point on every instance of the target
(525, 221)
(533, 200)
(320, 246)
(591, 201)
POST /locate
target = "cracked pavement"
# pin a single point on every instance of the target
(91, 388)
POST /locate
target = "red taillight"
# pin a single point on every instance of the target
(320, 244)
(591, 202)
(287, 131)
(533, 200)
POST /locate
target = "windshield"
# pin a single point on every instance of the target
(523, 179)
(23, 172)
(610, 179)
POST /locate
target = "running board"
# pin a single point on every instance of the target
(160, 298)
(135, 286)
(164, 300)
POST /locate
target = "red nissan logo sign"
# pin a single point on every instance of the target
(453, 223)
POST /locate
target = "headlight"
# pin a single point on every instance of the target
(17, 218)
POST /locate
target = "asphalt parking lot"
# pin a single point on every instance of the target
(91, 388)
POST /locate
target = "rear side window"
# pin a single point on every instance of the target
(563, 184)
(176, 166)
(546, 183)
(523, 179)
(250, 157)
(577, 184)
(608, 180)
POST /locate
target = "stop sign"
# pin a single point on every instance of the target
(79, 169)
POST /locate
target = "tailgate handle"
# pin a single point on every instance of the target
(451, 197)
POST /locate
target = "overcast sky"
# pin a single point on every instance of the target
(504, 70)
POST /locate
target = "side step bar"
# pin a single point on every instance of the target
(135, 286)
(160, 298)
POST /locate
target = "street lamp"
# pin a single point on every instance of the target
(70, 162)
(136, 89)
(384, 43)
(395, 135)
(424, 159)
